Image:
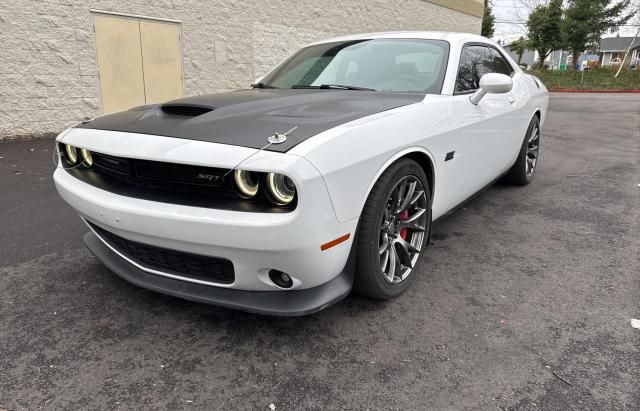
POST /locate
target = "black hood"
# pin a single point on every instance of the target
(248, 117)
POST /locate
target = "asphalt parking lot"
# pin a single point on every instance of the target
(524, 302)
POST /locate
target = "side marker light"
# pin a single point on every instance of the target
(335, 242)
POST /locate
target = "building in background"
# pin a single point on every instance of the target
(634, 61)
(612, 50)
(65, 60)
(527, 60)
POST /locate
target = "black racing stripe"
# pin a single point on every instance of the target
(248, 117)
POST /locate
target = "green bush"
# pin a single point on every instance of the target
(594, 79)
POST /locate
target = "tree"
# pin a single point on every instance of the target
(545, 28)
(519, 47)
(587, 20)
(487, 20)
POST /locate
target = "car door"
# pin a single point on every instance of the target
(487, 142)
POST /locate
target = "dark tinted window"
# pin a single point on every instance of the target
(475, 61)
(501, 64)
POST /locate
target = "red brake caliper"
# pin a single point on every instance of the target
(403, 231)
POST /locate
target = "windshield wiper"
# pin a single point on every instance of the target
(262, 85)
(333, 86)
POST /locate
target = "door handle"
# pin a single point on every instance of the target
(511, 100)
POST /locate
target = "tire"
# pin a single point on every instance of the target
(523, 170)
(381, 224)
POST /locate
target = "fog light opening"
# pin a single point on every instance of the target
(280, 279)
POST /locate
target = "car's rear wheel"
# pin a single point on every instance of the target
(525, 166)
(393, 232)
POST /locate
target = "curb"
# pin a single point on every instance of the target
(576, 90)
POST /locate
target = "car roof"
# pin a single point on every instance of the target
(452, 37)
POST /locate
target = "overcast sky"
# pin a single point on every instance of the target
(509, 12)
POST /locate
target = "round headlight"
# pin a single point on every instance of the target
(247, 183)
(72, 153)
(282, 190)
(86, 157)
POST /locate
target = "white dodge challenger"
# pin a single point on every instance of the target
(323, 177)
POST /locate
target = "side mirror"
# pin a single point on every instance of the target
(492, 83)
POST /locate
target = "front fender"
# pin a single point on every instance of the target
(352, 157)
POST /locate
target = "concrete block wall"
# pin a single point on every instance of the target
(48, 69)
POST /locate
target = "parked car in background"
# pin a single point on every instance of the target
(324, 176)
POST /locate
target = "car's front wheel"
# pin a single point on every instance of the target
(525, 166)
(393, 231)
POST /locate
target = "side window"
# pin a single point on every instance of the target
(475, 61)
(501, 64)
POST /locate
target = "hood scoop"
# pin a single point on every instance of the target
(186, 110)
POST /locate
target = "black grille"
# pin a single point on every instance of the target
(179, 173)
(173, 183)
(111, 164)
(194, 266)
(168, 175)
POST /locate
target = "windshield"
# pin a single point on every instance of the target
(391, 65)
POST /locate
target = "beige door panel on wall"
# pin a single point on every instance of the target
(140, 61)
(162, 60)
(119, 62)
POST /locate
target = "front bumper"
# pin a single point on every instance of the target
(254, 242)
(282, 303)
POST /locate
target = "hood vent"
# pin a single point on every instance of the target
(186, 110)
